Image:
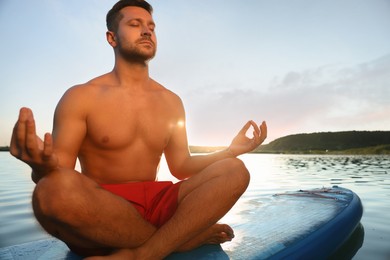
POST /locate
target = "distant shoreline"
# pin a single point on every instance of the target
(375, 150)
(332, 143)
(4, 148)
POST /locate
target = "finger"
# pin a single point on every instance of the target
(245, 128)
(262, 135)
(264, 130)
(48, 146)
(19, 133)
(31, 137)
(21, 126)
(14, 145)
(255, 127)
(256, 138)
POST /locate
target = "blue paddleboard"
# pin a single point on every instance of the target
(307, 224)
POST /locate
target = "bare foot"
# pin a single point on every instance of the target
(216, 234)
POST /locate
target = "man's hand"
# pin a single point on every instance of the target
(29, 148)
(242, 144)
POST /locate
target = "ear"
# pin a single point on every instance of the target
(111, 39)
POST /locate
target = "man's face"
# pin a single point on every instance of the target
(136, 39)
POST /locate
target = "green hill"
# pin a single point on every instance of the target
(351, 142)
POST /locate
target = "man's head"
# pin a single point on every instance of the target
(114, 15)
(131, 31)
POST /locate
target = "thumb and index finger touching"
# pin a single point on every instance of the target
(258, 131)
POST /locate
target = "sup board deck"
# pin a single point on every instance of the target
(307, 224)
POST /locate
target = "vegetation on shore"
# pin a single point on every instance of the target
(4, 148)
(350, 142)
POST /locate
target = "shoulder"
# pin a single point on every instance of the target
(74, 98)
(83, 92)
(169, 95)
(78, 98)
(94, 85)
(72, 102)
(170, 101)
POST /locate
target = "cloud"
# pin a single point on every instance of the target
(328, 98)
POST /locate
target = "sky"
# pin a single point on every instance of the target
(303, 66)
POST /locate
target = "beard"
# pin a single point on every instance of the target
(136, 52)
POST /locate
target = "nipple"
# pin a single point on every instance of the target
(105, 139)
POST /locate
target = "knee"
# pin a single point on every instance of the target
(238, 174)
(54, 193)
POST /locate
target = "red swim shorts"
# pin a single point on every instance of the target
(155, 201)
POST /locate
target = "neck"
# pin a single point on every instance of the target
(131, 74)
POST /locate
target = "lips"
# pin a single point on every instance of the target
(145, 41)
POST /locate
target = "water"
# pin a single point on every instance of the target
(368, 176)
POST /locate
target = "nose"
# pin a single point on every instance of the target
(146, 31)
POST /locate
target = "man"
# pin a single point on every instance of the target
(118, 125)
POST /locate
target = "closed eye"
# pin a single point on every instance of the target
(134, 24)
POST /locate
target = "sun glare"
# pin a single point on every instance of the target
(180, 123)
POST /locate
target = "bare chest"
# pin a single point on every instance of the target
(124, 123)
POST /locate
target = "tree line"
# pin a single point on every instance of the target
(329, 142)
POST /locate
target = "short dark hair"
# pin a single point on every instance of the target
(114, 16)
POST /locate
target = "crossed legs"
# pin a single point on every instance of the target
(93, 221)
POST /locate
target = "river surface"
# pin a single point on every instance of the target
(367, 176)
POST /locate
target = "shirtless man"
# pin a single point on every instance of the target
(118, 125)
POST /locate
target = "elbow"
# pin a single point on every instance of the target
(180, 175)
(180, 169)
(180, 172)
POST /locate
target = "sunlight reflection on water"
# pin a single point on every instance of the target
(368, 176)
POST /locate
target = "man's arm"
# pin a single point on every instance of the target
(182, 165)
(70, 125)
(59, 150)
